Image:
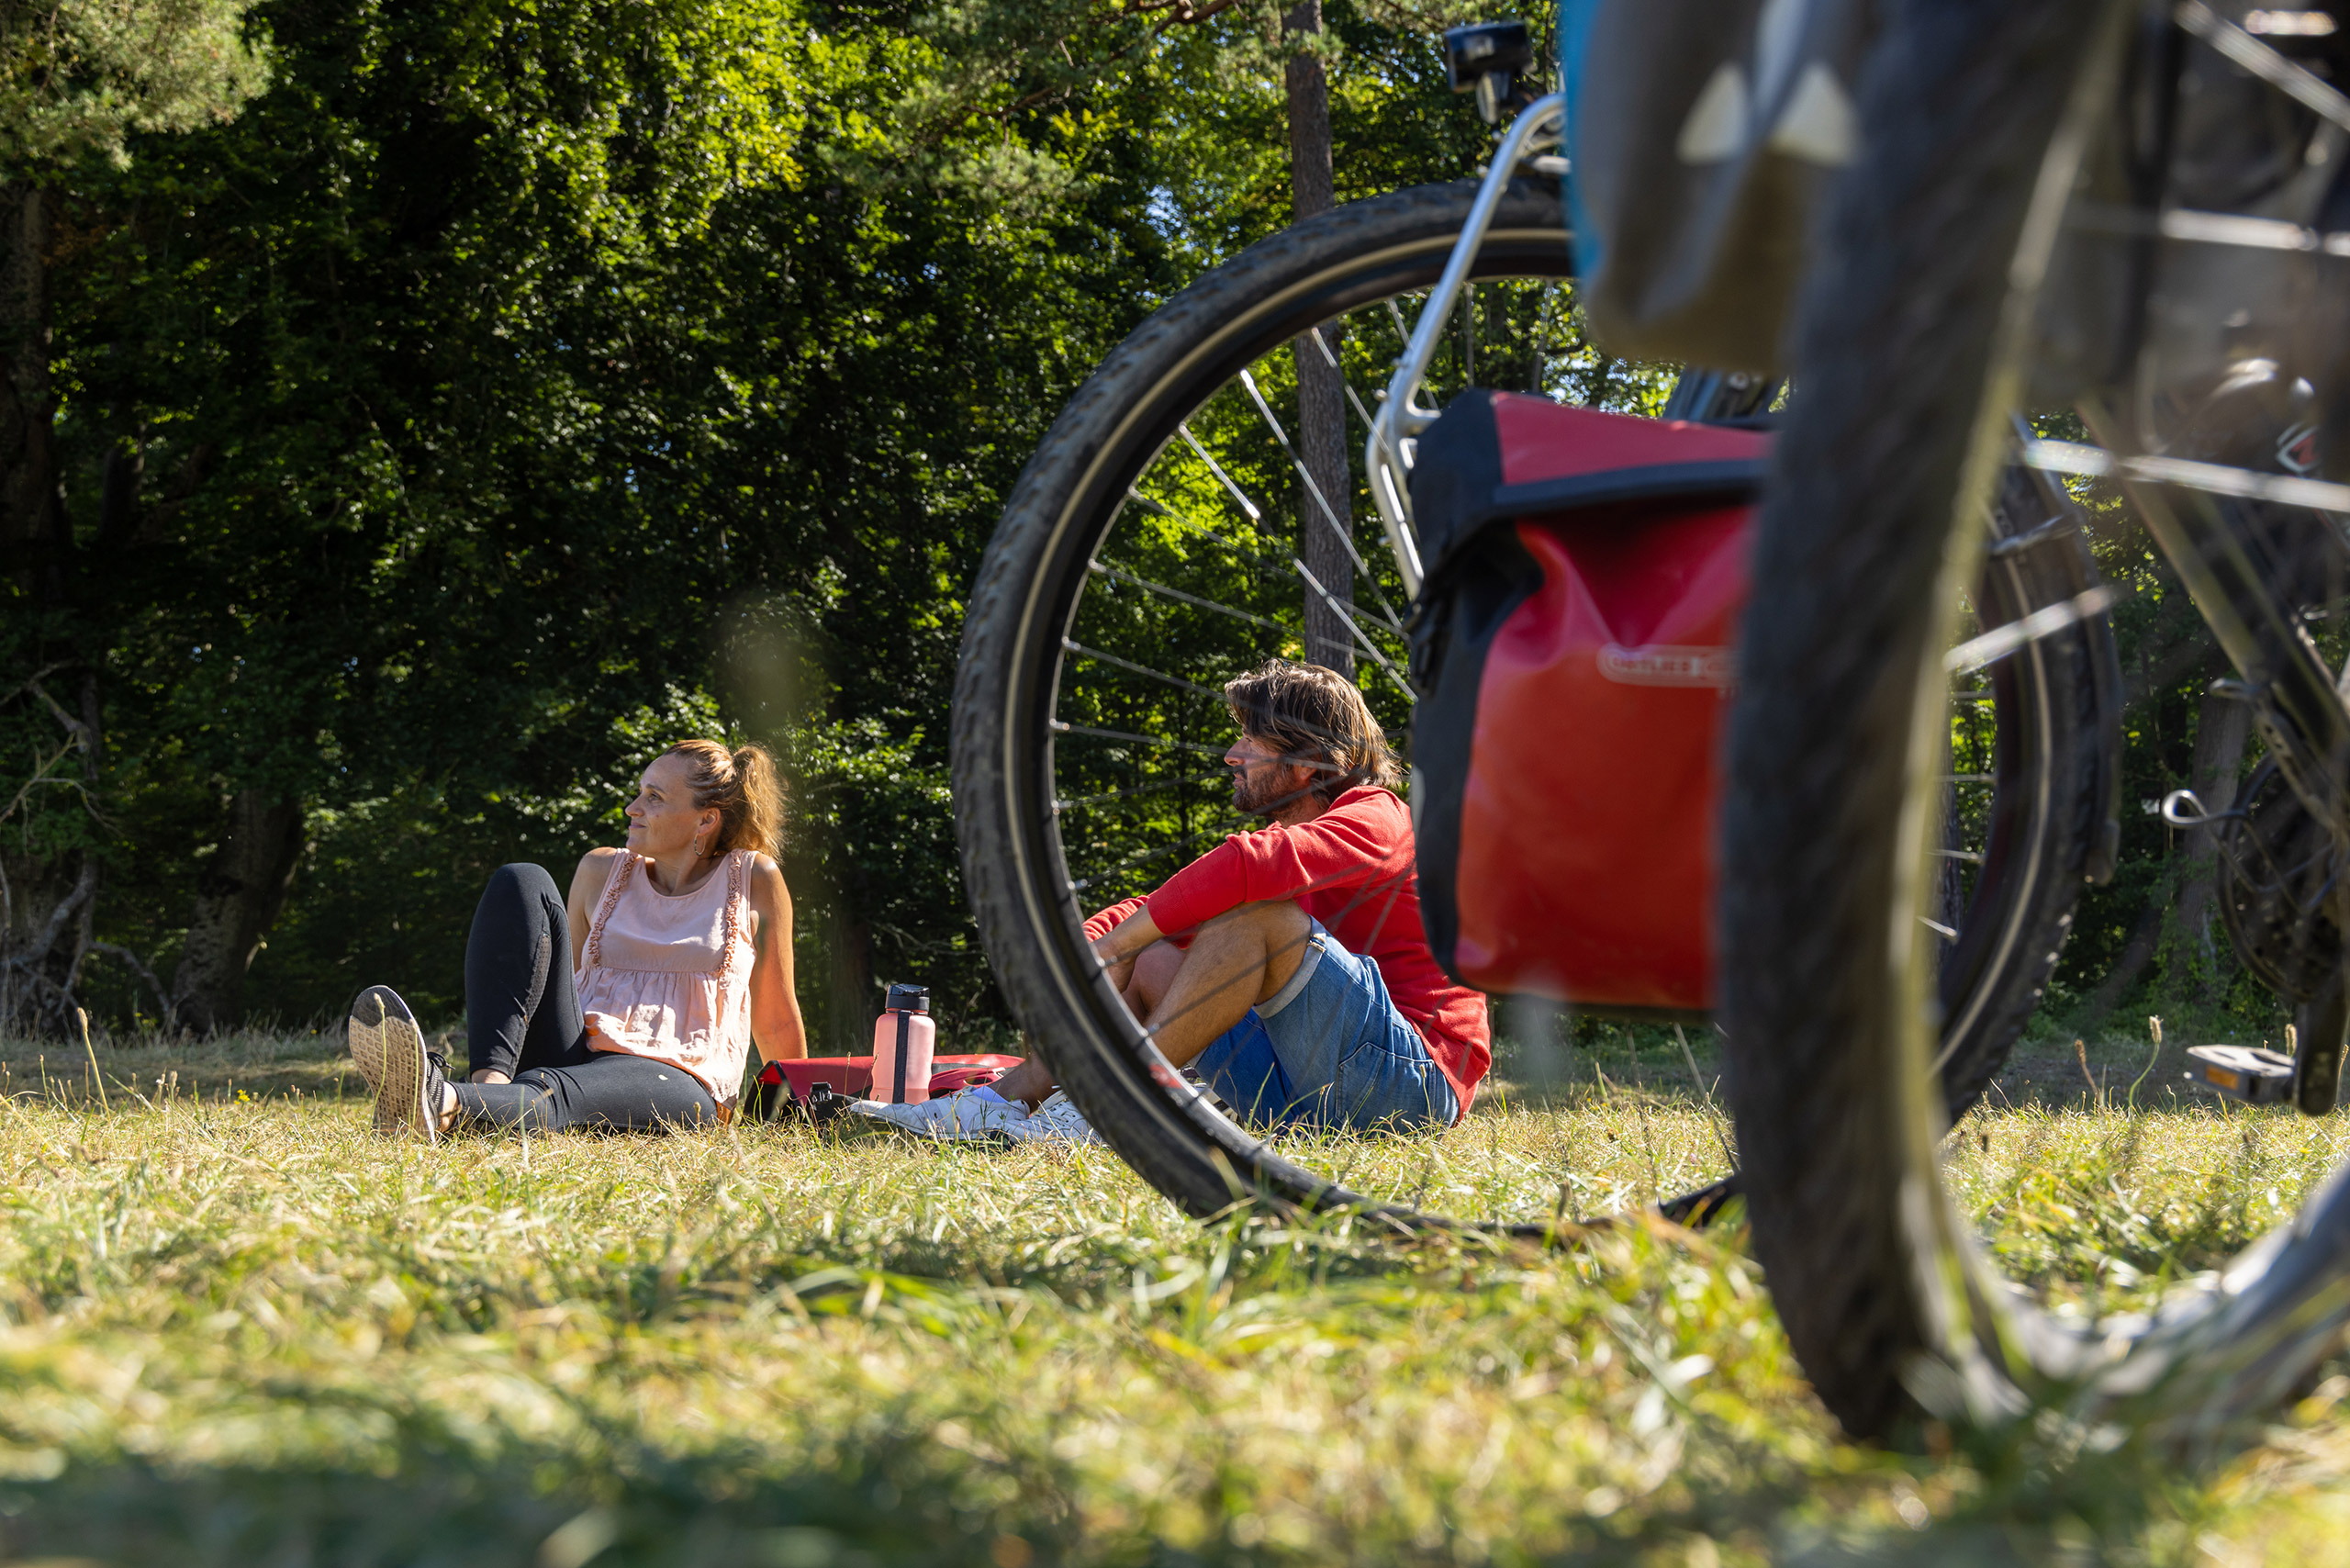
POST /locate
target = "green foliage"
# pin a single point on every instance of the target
(471, 386)
(78, 78)
(502, 391)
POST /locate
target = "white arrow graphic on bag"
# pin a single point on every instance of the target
(1816, 122)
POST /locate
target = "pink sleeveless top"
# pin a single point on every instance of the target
(668, 975)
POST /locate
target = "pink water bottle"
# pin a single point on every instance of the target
(903, 1040)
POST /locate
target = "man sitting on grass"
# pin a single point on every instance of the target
(1287, 967)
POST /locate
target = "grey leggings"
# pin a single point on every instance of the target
(523, 1019)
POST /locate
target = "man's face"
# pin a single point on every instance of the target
(1263, 782)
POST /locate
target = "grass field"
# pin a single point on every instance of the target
(236, 1329)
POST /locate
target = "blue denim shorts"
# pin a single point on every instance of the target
(1328, 1050)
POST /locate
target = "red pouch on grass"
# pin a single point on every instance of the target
(852, 1076)
(1574, 645)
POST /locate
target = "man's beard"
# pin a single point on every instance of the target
(1263, 796)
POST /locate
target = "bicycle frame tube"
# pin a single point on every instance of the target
(1400, 417)
(2296, 701)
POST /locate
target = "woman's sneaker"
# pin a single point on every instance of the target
(389, 1050)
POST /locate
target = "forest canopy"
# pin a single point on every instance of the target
(426, 413)
(416, 417)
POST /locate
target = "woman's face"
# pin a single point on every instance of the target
(662, 819)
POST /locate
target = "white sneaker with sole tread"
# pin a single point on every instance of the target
(981, 1114)
(388, 1048)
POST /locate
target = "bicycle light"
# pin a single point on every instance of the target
(1487, 58)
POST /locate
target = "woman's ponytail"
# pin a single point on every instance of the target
(761, 825)
(746, 788)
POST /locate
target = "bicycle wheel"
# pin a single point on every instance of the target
(1989, 133)
(1148, 554)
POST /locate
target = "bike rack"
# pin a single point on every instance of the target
(1400, 418)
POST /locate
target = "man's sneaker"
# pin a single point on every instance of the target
(389, 1050)
(1055, 1120)
(976, 1112)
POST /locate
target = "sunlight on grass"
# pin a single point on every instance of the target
(241, 1329)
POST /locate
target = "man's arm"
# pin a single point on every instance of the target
(1364, 843)
(1117, 947)
(1100, 921)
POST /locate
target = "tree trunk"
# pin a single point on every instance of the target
(850, 986)
(1321, 395)
(33, 537)
(240, 893)
(46, 897)
(2221, 727)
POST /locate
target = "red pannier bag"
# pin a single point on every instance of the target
(1574, 645)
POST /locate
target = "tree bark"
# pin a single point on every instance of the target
(2222, 726)
(850, 982)
(1321, 395)
(240, 893)
(32, 514)
(50, 895)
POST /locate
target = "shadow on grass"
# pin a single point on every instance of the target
(896, 1503)
(443, 1507)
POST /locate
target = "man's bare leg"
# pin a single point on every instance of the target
(1237, 961)
(1155, 971)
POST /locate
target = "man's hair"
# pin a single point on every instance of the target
(1317, 718)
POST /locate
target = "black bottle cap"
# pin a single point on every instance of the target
(909, 999)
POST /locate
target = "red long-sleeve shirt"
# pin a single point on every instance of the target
(1352, 869)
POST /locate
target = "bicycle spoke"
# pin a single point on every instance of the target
(1072, 645)
(1063, 727)
(1248, 506)
(2095, 462)
(1354, 399)
(1340, 611)
(1119, 575)
(1156, 851)
(2194, 228)
(2000, 640)
(1291, 561)
(1083, 802)
(1313, 490)
(1542, 337)
(2311, 92)
(1266, 563)
(1402, 330)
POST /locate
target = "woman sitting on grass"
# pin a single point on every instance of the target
(678, 952)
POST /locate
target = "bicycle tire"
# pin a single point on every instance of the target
(1023, 601)
(1970, 114)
